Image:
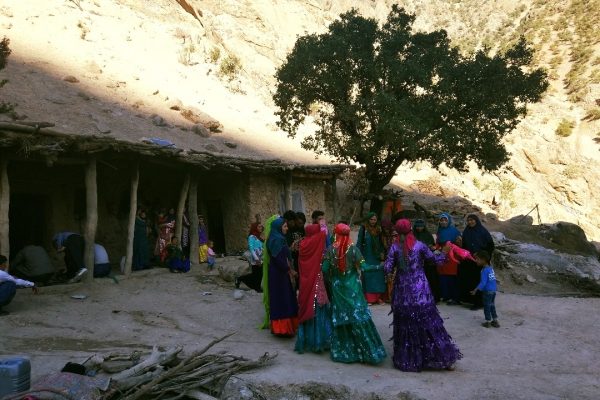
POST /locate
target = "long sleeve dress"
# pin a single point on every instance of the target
(283, 305)
(371, 247)
(354, 337)
(420, 339)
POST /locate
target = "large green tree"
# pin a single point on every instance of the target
(384, 95)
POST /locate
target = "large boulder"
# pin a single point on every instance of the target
(570, 237)
(231, 267)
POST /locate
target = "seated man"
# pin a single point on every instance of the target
(33, 264)
(9, 284)
(101, 263)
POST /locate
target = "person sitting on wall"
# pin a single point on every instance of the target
(176, 261)
(101, 262)
(32, 263)
(9, 284)
(72, 244)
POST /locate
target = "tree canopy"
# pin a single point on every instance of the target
(383, 95)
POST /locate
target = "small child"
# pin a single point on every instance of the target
(487, 287)
(211, 255)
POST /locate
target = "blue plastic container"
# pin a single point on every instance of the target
(15, 375)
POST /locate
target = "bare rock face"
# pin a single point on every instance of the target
(569, 236)
(201, 130)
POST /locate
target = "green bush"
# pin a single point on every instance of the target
(230, 66)
(565, 128)
(214, 54)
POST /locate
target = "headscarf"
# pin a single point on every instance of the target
(449, 233)
(477, 238)
(254, 230)
(59, 238)
(276, 240)
(265, 279)
(342, 242)
(403, 227)
(310, 255)
(423, 236)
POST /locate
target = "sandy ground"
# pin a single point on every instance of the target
(546, 348)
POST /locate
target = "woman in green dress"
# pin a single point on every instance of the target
(371, 247)
(354, 337)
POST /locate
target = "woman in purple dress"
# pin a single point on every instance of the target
(420, 339)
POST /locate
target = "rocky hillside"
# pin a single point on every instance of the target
(220, 56)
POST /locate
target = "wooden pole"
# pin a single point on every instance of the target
(193, 215)
(135, 178)
(334, 197)
(91, 220)
(4, 207)
(287, 191)
(181, 206)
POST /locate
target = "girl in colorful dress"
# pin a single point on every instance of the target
(255, 248)
(420, 339)
(354, 337)
(371, 247)
(314, 314)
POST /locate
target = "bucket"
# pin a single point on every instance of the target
(15, 375)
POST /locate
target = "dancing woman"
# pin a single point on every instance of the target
(354, 337)
(420, 339)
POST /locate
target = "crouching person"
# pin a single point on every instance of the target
(9, 284)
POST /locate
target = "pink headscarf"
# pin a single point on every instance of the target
(342, 242)
(404, 227)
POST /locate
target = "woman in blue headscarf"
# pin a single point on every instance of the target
(448, 271)
(283, 306)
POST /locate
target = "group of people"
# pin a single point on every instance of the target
(318, 285)
(169, 250)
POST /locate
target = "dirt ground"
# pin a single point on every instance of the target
(546, 348)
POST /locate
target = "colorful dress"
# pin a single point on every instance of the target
(283, 306)
(255, 248)
(175, 259)
(314, 314)
(371, 247)
(202, 244)
(354, 337)
(165, 232)
(420, 339)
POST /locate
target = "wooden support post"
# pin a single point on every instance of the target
(287, 191)
(193, 215)
(135, 178)
(4, 207)
(334, 199)
(91, 219)
(181, 207)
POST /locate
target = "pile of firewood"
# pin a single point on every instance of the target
(162, 375)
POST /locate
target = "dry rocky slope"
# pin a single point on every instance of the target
(219, 56)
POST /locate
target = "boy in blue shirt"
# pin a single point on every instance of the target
(487, 287)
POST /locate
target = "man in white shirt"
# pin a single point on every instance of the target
(9, 284)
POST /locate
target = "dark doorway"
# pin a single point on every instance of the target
(27, 217)
(216, 232)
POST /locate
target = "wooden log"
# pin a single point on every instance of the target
(91, 220)
(181, 206)
(4, 207)
(157, 357)
(334, 199)
(135, 178)
(193, 215)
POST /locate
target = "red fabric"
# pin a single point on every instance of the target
(254, 229)
(404, 227)
(373, 298)
(455, 256)
(310, 256)
(284, 327)
(342, 242)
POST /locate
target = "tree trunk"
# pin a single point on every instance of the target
(91, 220)
(181, 207)
(135, 178)
(334, 197)
(193, 214)
(4, 207)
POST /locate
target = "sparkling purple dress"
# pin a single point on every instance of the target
(420, 339)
